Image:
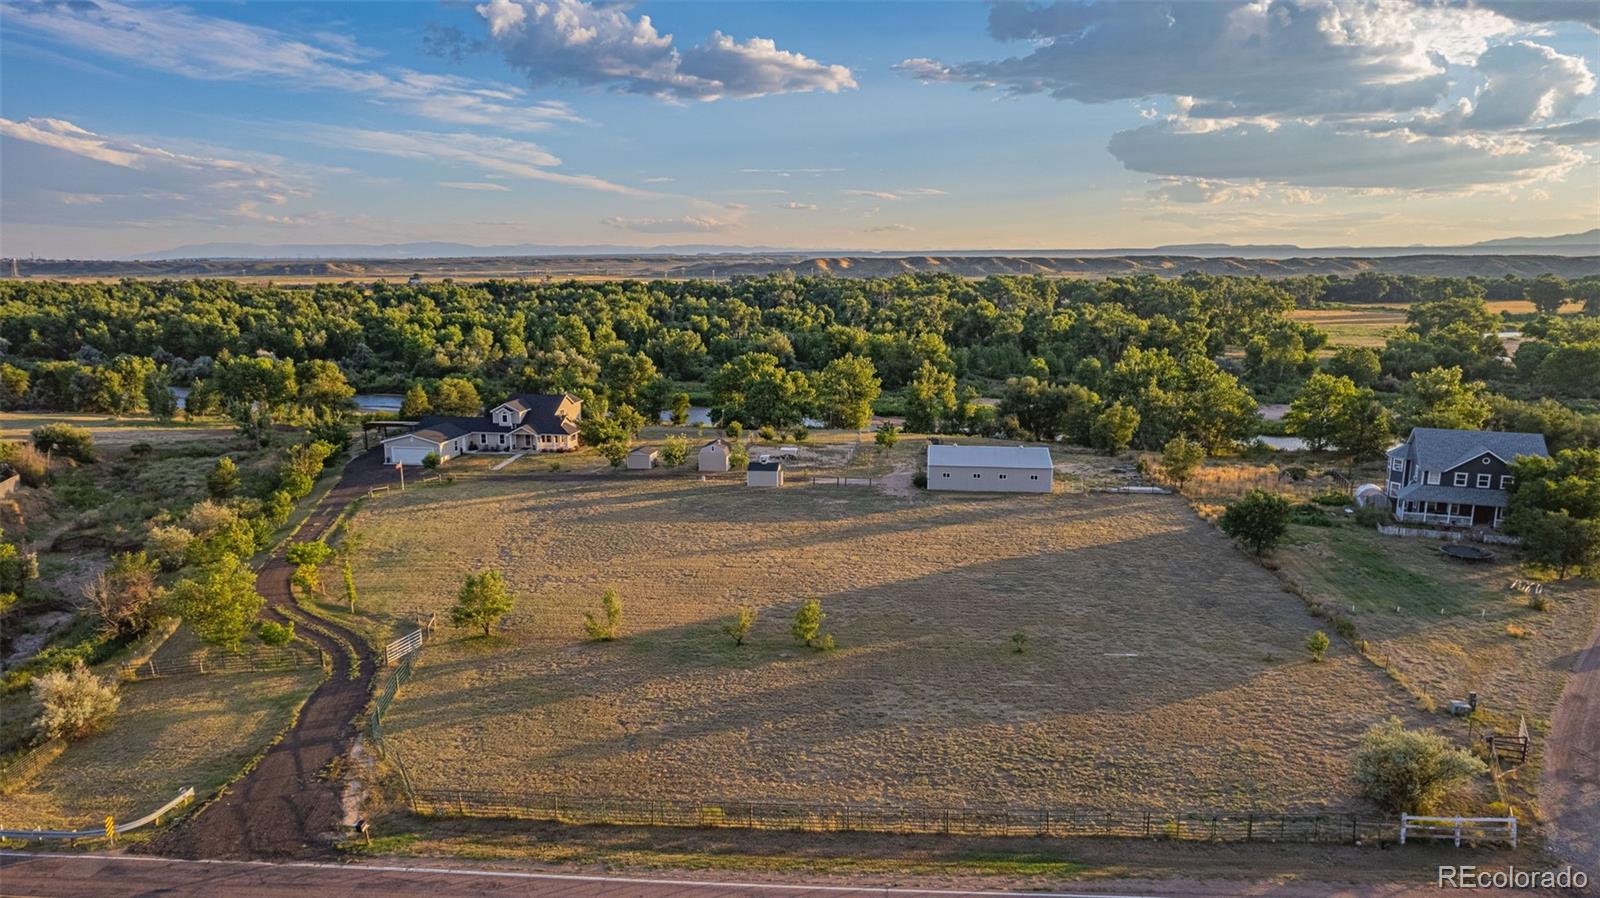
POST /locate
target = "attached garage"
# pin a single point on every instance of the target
(411, 449)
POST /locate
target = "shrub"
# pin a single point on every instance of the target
(431, 461)
(807, 626)
(734, 430)
(738, 457)
(1316, 644)
(1539, 602)
(76, 443)
(1259, 520)
(920, 480)
(674, 451)
(739, 627)
(1407, 771)
(1332, 498)
(482, 602)
(1180, 458)
(125, 596)
(1309, 515)
(73, 702)
(26, 461)
(1019, 642)
(801, 434)
(610, 626)
(169, 545)
(1372, 515)
(1517, 631)
(886, 436)
(223, 481)
(207, 517)
(614, 451)
(274, 633)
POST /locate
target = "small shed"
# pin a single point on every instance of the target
(1371, 495)
(714, 456)
(764, 473)
(643, 458)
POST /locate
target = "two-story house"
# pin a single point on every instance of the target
(524, 423)
(1457, 478)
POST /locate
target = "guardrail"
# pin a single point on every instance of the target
(110, 831)
(1471, 829)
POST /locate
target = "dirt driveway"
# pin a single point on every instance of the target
(1570, 789)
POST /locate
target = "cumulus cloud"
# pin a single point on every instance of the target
(699, 224)
(1323, 155)
(175, 40)
(574, 42)
(494, 155)
(59, 173)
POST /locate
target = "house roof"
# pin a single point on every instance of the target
(951, 456)
(1439, 449)
(1428, 492)
(766, 466)
(439, 428)
(540, 411)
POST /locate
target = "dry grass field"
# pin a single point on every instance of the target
(1163, 669)
(1353, 326)
(167, 734)
(112, 432)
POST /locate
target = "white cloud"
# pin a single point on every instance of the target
(799, 207)
(172, 39)
(59, 173)
(659, 180)
(574, 42)
(894, 195)
(495, 155)
(686, 224)
(891, 228)
(1570, 134)
(474, 185)
(875, 194)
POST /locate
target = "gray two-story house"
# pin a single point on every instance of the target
(1457, 478)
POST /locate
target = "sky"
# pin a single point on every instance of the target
(136, 127)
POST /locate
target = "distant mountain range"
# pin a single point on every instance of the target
(1586, 243)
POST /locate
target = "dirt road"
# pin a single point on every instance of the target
(288, 806)
(1570, 788)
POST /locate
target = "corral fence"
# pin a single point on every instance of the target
(963, 821)
(1455, 536)
(26, 766)
(398, 677)
(258, 660)
(1459, 829)
(402, 647)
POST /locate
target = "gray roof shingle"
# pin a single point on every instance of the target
(1439, 449)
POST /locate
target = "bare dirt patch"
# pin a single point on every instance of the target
(1162, 669)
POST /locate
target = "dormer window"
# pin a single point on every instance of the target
(1432, 478)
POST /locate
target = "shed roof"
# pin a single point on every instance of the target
(766, 466)
(1026, 457)
(644, 450)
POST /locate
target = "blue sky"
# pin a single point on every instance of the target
(135, 127)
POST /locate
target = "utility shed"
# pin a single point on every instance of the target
(642, 458)
(715, 455)
(764, 473)
(990, 469)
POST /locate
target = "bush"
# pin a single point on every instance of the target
(169, 545)
(886, 436)
(74, 702)
(26, 461)
(125, 596)
(674, 451)
(768, 433)
(739, 627)
(734, 430)
(1372, 515)
(223, 481)
(431, 461)
(920, 480)
(1408, 771)
(274, 633)
(807, 626)
(1309, 515)
(1332, 498)
(608, 628)
(1316, 644)
(76, 443)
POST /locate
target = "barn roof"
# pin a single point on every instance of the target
(1025, 457)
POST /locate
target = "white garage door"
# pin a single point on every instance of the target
(408, 455)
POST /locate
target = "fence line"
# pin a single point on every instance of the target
(199, 663)
(402, 647)
(1455, 536)
(380, 706)
(962, 821)
(28, 765)
(1470, 829)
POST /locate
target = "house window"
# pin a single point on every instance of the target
(1002, 476)
(1033, 476)
(1483, 481)
(1461, 478)
(1505, 481)
(1432, 477)
(945, 474)
(1485, 459)
(1397, 464)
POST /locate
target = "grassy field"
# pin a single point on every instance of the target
(1162, 668)
(1355, 326)
(116, 432)
(167, 734)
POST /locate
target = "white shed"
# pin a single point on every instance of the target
(642, 458)
(764, 473)
(990, 469)
(714, 456)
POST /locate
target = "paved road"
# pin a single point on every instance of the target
(284, 808)
(89, 876)
(1569, 795)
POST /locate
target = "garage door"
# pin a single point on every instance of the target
(408, 455)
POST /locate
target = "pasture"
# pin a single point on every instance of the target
(1162, 669)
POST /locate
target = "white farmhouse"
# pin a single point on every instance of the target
(525, 423)
(990, 469)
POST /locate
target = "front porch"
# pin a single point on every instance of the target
(520, 441)
(1449, 514)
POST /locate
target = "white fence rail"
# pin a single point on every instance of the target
(110, 830)
(1459, 829)
(405, 645)
(1454, 536)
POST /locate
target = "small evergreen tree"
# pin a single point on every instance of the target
(680, 409)
(223, 481)
(807, 626)
(609, 627)
(415, 404)
(1316, 644)
(349, 586)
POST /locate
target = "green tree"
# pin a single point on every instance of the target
(608, 626)
(680, 409)
(614, 451)
(1314, 414)
(1440, 397)
(415, 404)
(886, 436)
(308, 557)
(807, 625)
(1259, 520)
(13, 387)
(223, 481)
(1547, 293)
(1407, 771)
(349, 586)
(482, 602)
(930, 399)
(158, 397)
(1113, 428)
(1317, 644)
(1180, 458)
(1364, 427)
(457, 396)
(219, 602)
(744, 618)
(756, 389)
(1358, 363)
(674, 451)
(846, 390)
(322, 387)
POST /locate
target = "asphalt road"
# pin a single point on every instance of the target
(25, 875)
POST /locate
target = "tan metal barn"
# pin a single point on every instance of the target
(990, 469)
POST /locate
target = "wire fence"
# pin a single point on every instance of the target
(399, 676)
(26, 766)
(958, 821)
(258, 660)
